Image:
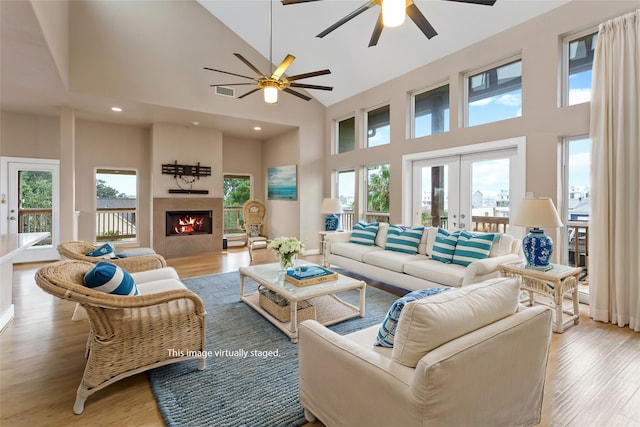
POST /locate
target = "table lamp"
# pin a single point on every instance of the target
(331, 207)
(537, 246)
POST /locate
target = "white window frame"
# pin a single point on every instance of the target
(468, 74)
(564, 65)
(412, 107)
(365, 127)
(336, 133)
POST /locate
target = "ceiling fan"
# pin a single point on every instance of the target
(391, 14)
(272, 84)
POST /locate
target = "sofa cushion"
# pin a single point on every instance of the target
(135, 252)
(472, 247)
(502, 245)
(428, 239)
(403, 239)
(105, 251)
(364, 233)
(444, 246)
(430, 322)
(111, 279)
(381, 236)
(353, 251)
(390, 260)
(436, 271)
(387, 330)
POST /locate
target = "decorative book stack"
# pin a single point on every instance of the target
(310, 275)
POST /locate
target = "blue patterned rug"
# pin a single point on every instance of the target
(252, 377)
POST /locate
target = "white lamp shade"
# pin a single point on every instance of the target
(393, 12)
(539, 212)
(331, 206)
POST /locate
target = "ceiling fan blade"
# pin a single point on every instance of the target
(307, 75)
(249, 93)
(481, 2)
(232, 84)
(250, 65)
(348, 18)
(227, 72)
(422, 23)
(305, 86)
(286, 2)
(283, 67)
(298, 94)
(377, 30)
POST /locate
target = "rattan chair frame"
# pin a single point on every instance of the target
(128, 334)
(253, 213)
(77, 249)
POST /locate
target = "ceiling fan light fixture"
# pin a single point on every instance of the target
(270, 94)
(393, 12)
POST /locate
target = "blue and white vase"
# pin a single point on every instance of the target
(538, 248)
(331, 222)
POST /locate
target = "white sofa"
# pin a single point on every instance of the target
(466, 357)
(416, 271)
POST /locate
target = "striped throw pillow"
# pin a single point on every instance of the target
(444, 246)
(111, 279)
(472, 247)
(364, 233)
(387, 331)
(403, 239)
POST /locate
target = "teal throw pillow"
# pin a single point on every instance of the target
(364, 233)
(111, 279)
(404, 239)
(472, 247)
(387, 331)
(104, 251)
(444, 246)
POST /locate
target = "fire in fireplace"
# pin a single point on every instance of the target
(181, 223)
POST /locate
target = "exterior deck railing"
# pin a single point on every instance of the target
(36, 221)
(115, 224)
(490, 224)
(232, 219)
(578, 237)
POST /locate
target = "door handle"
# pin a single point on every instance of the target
(12, 218)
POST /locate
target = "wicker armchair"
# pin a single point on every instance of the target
(253, 214)
(77, 250)
(129, 334)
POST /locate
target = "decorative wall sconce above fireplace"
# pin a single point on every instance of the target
(180, 171)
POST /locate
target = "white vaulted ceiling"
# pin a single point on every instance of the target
(37, 77)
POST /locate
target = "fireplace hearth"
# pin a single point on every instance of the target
(187, 223)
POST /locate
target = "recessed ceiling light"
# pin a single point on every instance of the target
(116, 109)
(257, 128)
(195, 123)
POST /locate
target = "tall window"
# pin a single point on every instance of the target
(346, 194)
(378, 180)
(431, 112)
(578, 60)
(116, 205)
(495, 94)
(346, 135)
(237, 190)
(378, 127)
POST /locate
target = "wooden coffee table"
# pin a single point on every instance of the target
(329, 308)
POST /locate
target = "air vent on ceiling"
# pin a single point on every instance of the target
(225, 91)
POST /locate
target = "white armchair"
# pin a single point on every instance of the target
(485, 368)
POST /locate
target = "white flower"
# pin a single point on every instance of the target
(287, 246)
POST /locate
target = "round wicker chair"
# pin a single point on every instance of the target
(77, 250)
(128, 334)
(253, 215)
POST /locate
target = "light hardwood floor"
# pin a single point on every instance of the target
(593, 375)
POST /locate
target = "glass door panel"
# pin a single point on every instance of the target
(432, 202)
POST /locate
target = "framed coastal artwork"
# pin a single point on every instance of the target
(281, 183)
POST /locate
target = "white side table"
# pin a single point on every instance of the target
(554, 283)
(323, 245)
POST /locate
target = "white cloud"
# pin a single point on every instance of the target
(483, 102)
(510, 100)
(578, 96)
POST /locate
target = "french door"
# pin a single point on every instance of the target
(453, 192)
(32, 204)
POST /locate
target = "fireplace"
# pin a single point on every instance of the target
(186, 223)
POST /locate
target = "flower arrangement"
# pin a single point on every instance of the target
(288, 248)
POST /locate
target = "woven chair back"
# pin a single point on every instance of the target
(253, 212)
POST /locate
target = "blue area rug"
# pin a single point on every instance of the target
(252, 376)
